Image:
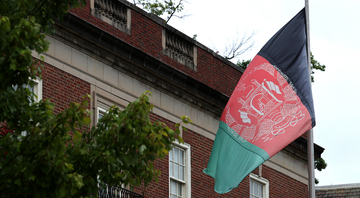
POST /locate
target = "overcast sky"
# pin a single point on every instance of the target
(335, 32)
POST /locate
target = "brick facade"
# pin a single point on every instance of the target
(62, 88)
(282, 185)
(146, 35)
(336, 191)
(202, 185)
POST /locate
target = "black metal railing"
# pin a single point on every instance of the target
(117, 192)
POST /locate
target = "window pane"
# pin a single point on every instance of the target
(31, 88)
(255, 189)
(176, 154)
(101, 112)
(171, 163)
(176, 171)
(181, 176)
(173, 187)
(171, 155)
(171, 169)
(179, 189)
(251, 187)
(181, 157)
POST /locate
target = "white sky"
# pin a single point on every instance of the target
(335, 42)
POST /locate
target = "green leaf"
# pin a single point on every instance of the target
(142, 148)
(69, 166)
(180, 140)
(86, 120)
(13, 66)
(77, 137)
(17, 182)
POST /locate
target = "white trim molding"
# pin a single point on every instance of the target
(38, 89)
(262, 181)
(186, 190)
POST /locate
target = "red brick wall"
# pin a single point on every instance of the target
(202, 185)
(284, 186)
(146, 35)
(62, 88)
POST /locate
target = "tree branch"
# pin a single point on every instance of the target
(37, 8)
(237, 47)
(175, 9)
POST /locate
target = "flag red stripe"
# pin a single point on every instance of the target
(276, 118)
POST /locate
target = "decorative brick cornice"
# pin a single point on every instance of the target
(146, 69)
(179, 49)
(112, 12)
(169, 28)
(126, 58)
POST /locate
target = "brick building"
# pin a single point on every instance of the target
(336, 191)
(115, 51)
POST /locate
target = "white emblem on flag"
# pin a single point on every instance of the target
(261, 102)
(273, 87)
(244, 117)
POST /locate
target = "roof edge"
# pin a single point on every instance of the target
(163, 23)
(337, 186)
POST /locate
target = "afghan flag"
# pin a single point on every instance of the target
(271, 106)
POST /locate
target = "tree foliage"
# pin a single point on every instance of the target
(22, 27)
(62, 155)
(163, 8)
(243, 64)
(319, 165)
(315, 65)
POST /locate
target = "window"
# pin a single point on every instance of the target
(37, 90)
(180, 171)
(259, 187)
(100, 112)
(256, 189)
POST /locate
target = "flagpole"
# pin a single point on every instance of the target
(310, 136)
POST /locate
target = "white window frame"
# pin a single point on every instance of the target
(262, 181)
(38, 85)
(187, 171)
(38, 89)
(102, 111)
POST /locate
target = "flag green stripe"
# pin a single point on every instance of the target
(232, 159)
